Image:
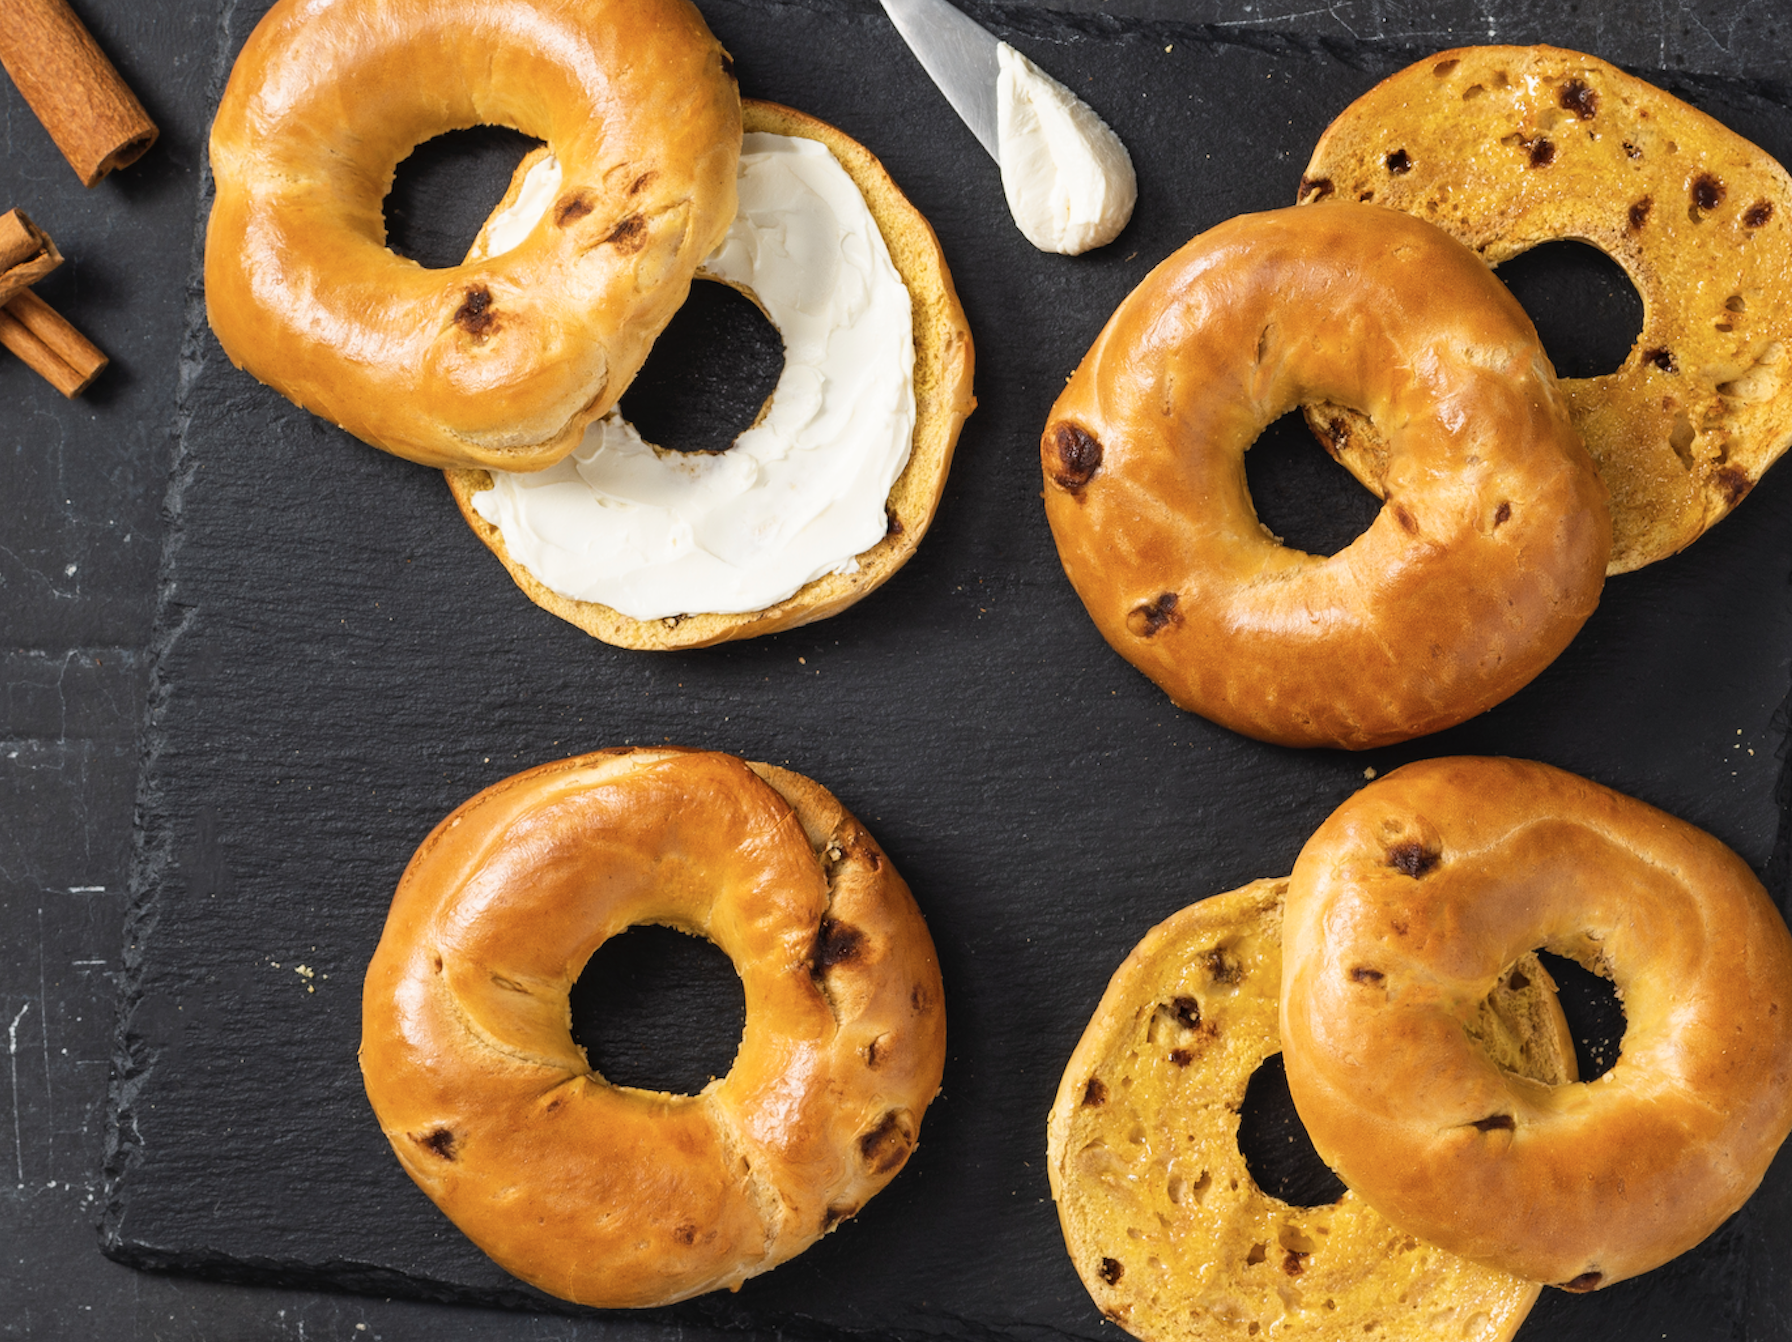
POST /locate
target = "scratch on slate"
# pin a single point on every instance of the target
(12, 1048)
(43, 997)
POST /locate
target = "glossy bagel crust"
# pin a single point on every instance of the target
(1509, 147)
(1168, 1230)
(944, 361)
(1414, 896)
(613, 1196)
(1489, 551)
(500, 362)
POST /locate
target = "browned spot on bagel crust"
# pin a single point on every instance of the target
(1734, 483)
(1294, 1263)
(886, 1146)
(573, 208)
(441, 1141)
(1408, 523)
(1187, 1012)
(1314, 188)
(919, 999)
(1182, 1057)
(475, 315)
(685, 1234)
(835, 944)
(1363, 974)
(1707, 191)
(1585, 1282)
(1579, 99)
(1147, 619)
(1336, 435)
(1639, 212)
(1662, 359)
(871, 1053)
(1399, 161)
(1111, 1270)
(508, 985)
(1411, 858)
(892, 523)
(1495, 1123)
(642, 182)
(1502, 514)
(1543, 152)
(1757, 214)
(1095, 1094)
(630, 235)
(1079, 455)
(1631, 150)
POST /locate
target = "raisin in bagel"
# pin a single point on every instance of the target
(501, 362)
(1508, 147)
(1414, 897)
(1489, 551)
(942, 361)
(1168, 1230)
(614, 1196)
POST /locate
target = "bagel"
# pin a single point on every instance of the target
(1509, 147)
(613, 1196)
(942, 368)
(1414, 897)
(1486, 558)
(497, 363)
(1168, 1230)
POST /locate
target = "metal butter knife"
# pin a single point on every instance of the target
(960, 56)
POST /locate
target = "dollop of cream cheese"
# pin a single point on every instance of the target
(655, 533)
(1069, 181)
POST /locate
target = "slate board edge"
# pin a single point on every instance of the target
(152, 840)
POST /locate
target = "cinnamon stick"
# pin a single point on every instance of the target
(46, 340)
(26, 254)
(90, 112)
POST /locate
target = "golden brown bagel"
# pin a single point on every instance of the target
(613, 1196)
(500, 363)
(1169, 1232)
(1490, 550)
(1414, 897)
(942, 380)
(1508, 147)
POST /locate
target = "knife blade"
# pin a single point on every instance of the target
(959, 55)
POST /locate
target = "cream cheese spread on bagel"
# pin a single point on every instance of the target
(653, 532)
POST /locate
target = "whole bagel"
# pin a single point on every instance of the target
(613, 1196)
(1490, 550)
(1509, 147)
(1414, 897)
(502, 362)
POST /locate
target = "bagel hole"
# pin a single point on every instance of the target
(1587, 312)
(1275, 1145)
(444, 191)
(659, 1009)
(1301, 494)
(1594, 1013)
(709, 373)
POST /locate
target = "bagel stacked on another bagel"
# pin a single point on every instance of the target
(1486, 559)
(942, 368)
(1414, 898)
(609, 1195)
(496, 363)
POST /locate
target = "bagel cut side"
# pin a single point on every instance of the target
(943, 367)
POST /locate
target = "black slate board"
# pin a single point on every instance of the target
(339, 663)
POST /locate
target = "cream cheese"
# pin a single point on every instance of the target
(1068, 179)
(654, 533)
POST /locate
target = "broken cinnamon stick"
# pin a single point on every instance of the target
(49, 343)
(26, 254)
(91, 114)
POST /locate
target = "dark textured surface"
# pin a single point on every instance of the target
(1044, 802)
